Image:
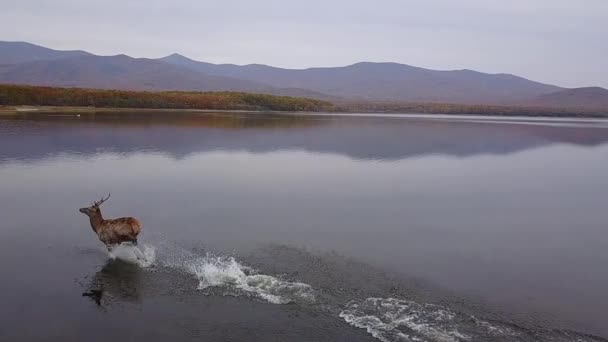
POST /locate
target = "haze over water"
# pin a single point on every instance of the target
(307, 227)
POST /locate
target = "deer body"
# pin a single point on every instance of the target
(115, 231)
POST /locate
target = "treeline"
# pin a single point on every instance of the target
(19, 95)
(464, 109)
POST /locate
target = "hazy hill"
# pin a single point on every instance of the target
(594, 97)
(384, 81)
(24, 63)
(124, 72)
(121, 72)
(21, 52)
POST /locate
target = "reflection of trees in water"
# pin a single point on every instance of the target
(116, 281)
(224, 120)
(377, 138)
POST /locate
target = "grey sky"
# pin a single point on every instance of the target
(555, 41)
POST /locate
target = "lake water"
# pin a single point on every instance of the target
(265, 227)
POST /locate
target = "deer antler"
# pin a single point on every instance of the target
(98, 203)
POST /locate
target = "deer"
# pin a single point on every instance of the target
(112, 232)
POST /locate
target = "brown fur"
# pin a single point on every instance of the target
(114, 231)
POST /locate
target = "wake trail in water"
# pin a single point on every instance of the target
(398, 320)
(386, 319)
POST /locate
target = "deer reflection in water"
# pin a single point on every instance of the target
(117, 281)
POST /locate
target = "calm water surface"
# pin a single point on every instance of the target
(306, 228)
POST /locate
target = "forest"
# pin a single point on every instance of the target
(24, 95)
(20, 95)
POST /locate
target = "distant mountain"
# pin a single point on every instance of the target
(24, 63)
(120, 72)
(384, 81)
(591, 97)
(124, 72)
(21, 52)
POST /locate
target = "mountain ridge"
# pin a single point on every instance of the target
(387, 81)
(25, 63)
(20, 52)
(127, 73)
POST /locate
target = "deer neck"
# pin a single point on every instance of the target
(96, 221)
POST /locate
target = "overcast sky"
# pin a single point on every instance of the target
(563, 42)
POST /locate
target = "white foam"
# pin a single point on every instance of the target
(494, 330)
(226, 272)
(144, 257)
(392, 320)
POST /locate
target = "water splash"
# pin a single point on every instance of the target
(391, 320)
(397, 320)
(144, 257)
(234, 278)
(226, 271)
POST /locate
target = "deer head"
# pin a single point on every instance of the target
(94, 210)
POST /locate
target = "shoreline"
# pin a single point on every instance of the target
(15, 111)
